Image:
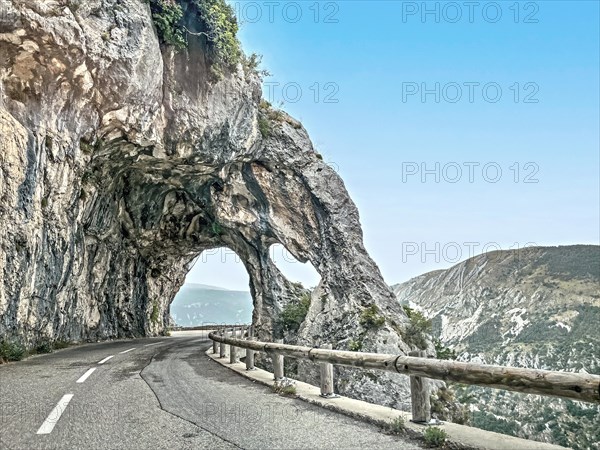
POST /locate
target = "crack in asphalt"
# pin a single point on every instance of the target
(176, 415)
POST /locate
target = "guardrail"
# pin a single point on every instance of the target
(574, 386)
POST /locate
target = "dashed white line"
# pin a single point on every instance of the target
(106, 359)
(86, 375)
(54, 415)
(127, 351)
(154, 343)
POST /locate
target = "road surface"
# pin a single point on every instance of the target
(160, 394)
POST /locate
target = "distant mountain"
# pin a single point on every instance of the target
(199, 304)
(206, 286)
(537, 307)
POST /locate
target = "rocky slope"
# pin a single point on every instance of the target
(122, 159)
(537, 307)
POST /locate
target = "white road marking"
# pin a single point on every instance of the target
(154, 343)
(127, 351)
(106, 359)
(86, 375)
(54, 415)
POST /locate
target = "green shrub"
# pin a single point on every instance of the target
(418, 327)
(11, 351)
(396, 426)
(418, 319)
(44, 347)
(167, 16)
(264, 126)
(371, 318)
(435, 437)
(443, 352)
(294, 313)
(251, 64)
(154, 314)
(265, 104)
(355, 346)
(220, 28)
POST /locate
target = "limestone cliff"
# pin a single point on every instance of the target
(123, 159)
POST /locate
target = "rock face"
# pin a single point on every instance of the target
(536, 307)
(121, 161)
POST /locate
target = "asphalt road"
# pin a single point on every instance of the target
(160, 394)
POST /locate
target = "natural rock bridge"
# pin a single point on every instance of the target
(124, 158)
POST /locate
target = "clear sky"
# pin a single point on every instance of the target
(459, 129)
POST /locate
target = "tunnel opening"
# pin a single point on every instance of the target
(302, 281)
(294, 270)
(216, 291)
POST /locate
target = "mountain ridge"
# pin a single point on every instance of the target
(209, 287)
(536, 307)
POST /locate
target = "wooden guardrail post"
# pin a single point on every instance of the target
(233, 351)
(278, 364)
(223, 347)
(250, 356)
(242, 351)
(326, 370)
(419, 394)
(233, 354)
(216, 345)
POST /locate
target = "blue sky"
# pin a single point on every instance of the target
(526, 143)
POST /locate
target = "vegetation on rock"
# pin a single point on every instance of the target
(355, 346)
(264, 126)
(445, 406)
(443, 352)
(370, 317)
(417, 329)
(219, 25)
(294, 313)
(167, 16)
(155, 313)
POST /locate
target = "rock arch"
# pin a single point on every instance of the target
(122, 161)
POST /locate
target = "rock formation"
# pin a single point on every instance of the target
(123, 159)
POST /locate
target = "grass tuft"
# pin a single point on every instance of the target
(396, 426)
(285, 387)
(435, 437)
